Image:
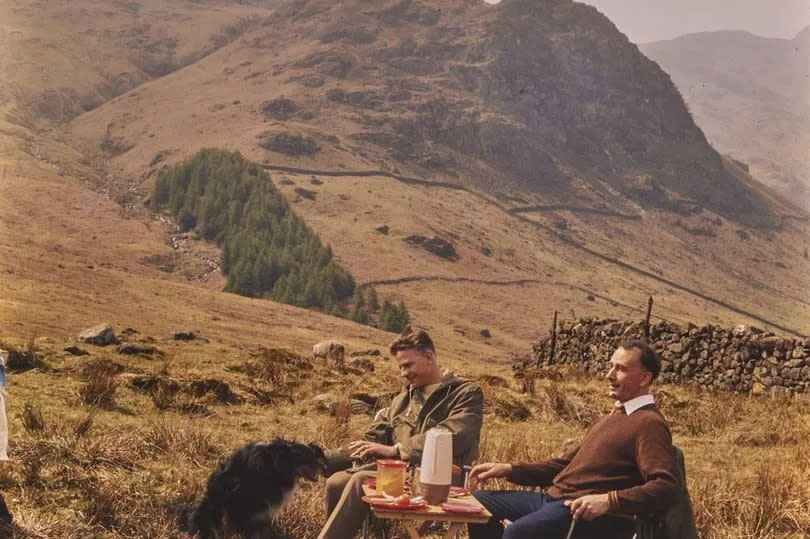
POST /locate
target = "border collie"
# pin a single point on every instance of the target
(250, 488)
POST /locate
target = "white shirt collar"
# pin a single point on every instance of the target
(634, 404)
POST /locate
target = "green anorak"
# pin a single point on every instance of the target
(455, 404)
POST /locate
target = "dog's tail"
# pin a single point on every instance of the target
(181, 513)
(194, 519)
(187, 518)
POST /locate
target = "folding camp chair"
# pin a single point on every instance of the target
(670, 525)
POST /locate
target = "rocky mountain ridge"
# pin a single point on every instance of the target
(547, 97)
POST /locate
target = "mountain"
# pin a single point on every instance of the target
(751, 95)
(390, 150)
(393, 121)
(542, 96)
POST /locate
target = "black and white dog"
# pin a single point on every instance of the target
(247, 490)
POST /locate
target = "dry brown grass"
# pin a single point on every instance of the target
(102, 382)
(81, 471)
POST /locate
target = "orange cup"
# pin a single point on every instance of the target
(391, 477)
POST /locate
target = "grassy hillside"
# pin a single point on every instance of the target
(79, 470)
(62, 59)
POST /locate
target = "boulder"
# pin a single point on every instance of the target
(758, 389)
(218, 390)
(370, 352)
(184, 335)
(76, 351)
(328, 403)
(324, 402)
(100, 335)
(485, 333)
(329, 350)
(742, 330)
(133, 349)
(362, 364)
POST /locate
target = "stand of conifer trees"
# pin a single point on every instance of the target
(389, 317)
(267, 250)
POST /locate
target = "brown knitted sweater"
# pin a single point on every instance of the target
(628, 456)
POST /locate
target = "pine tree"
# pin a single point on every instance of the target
(373, 301)
(387, 316)
(359, 313)
(404, 317)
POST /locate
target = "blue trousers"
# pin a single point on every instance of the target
(535, 515)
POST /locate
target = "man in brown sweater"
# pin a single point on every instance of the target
(625, 464)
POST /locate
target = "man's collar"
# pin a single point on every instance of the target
(639, 402)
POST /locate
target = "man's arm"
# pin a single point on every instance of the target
(464, 421)
(539, 474)
(381, 430)
(656, 464)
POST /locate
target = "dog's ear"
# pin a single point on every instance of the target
(282, 455)
(317, 451)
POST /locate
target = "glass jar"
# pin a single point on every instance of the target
(391, 477)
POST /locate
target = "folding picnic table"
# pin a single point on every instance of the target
(434, 513)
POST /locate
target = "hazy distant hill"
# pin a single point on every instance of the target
(65, 58)
(544, 96)
(751, 96)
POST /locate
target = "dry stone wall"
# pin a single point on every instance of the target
(744, 359)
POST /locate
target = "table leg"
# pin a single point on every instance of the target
(411, 529)
(453, 531)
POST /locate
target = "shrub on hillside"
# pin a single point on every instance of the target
(280, 108)
(290, 144)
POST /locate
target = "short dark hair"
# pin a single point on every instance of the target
(419, 340)
(649, 357)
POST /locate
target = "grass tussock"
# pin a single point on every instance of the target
(101, 384)
(337, 431)
(32, 418)
(771, 502)
(183, 439)
(24, 357)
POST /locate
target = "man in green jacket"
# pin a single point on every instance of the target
(430, 399)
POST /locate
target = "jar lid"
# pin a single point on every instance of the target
(392, 463)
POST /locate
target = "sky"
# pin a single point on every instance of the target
(653, 20)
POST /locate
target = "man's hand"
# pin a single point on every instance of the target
(589, 507)
(489, 470)
(363, 448)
